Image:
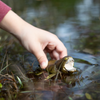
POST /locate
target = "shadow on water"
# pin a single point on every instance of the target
(77, 25)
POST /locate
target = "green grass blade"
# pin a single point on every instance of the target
(3, 68)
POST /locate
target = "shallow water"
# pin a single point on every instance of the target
(77, 25)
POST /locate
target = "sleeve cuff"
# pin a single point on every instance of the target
(4, 9)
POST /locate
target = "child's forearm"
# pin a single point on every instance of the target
(13, 24)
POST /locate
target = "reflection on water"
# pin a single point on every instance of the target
(84, 12)
(77, 24)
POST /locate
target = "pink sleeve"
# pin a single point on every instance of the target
(3, 10)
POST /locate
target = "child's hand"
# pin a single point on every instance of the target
(35, 40)
(39, 42)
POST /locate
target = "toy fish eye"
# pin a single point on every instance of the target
(66, 58)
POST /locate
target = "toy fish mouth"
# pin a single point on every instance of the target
(69, 66)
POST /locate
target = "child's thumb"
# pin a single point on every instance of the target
(42, 59)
